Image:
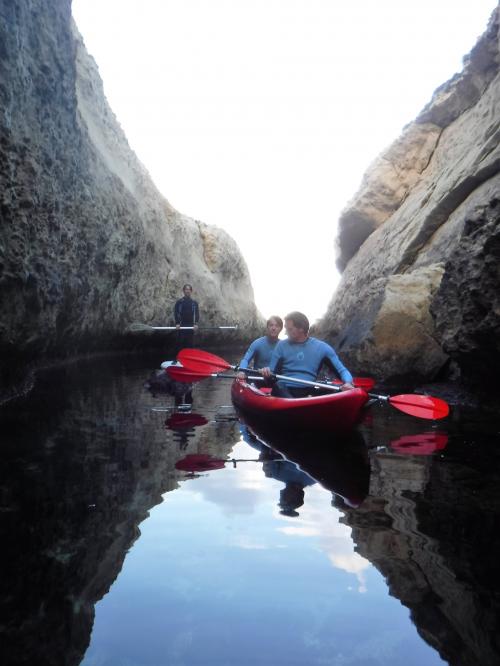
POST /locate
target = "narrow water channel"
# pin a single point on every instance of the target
(135, 534)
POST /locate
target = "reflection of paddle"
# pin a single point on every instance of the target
(420, 445)
(421, 406)
(203, 462)
(342, 468)
(179, 420)
(199, 462)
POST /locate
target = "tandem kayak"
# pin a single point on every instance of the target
(336, 412)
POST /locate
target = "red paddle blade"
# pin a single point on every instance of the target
(366, 383)
(422, 406)
(180, 374)
(202, 361)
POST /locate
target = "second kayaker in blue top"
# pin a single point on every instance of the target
(260, 351)
(301, 356)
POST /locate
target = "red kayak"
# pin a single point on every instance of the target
(338, 412)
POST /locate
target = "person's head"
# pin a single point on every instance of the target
(291, 498)
(274, 326)
(296, 326)
(187, 290)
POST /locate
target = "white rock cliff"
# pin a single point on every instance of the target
(419, 244)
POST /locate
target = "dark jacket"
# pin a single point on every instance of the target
(186, 312)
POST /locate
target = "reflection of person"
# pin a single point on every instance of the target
(182, 436)
(301, 356)
(260, 351)
(295, 480)
(276, 467)
(186, 313)
(291, 499)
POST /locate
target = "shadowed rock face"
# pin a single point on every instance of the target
(420, 528)
(88, 243)
(466, 307)
(418, 244)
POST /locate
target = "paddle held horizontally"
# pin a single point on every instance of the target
(137, 327)
(421, 406)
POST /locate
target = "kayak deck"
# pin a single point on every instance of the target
(333, 411)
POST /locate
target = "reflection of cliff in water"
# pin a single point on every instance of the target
(420, 528)
(84, 460)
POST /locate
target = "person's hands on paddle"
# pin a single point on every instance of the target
(347, 386)
(241, 375)
(421, 406)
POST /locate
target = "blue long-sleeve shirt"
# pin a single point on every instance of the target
(260, 352)
(303, 360)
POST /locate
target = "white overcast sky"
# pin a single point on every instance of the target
(261, 116)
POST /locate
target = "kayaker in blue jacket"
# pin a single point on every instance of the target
(302, 356)
(186, 313)
(258, 355)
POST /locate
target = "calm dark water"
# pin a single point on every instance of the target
(133, 535)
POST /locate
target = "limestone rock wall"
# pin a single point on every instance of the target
(419, 528)
(419, 243)
(88, 244)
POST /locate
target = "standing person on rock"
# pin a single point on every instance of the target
(301, 356)
(260, 351)
(186, 313)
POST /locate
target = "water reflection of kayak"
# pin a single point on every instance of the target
(339, 464)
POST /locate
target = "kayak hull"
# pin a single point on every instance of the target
(334, 412)
(338, 462)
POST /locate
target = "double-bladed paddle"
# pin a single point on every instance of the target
(421, 406)
(182, 374)
(138, 328)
